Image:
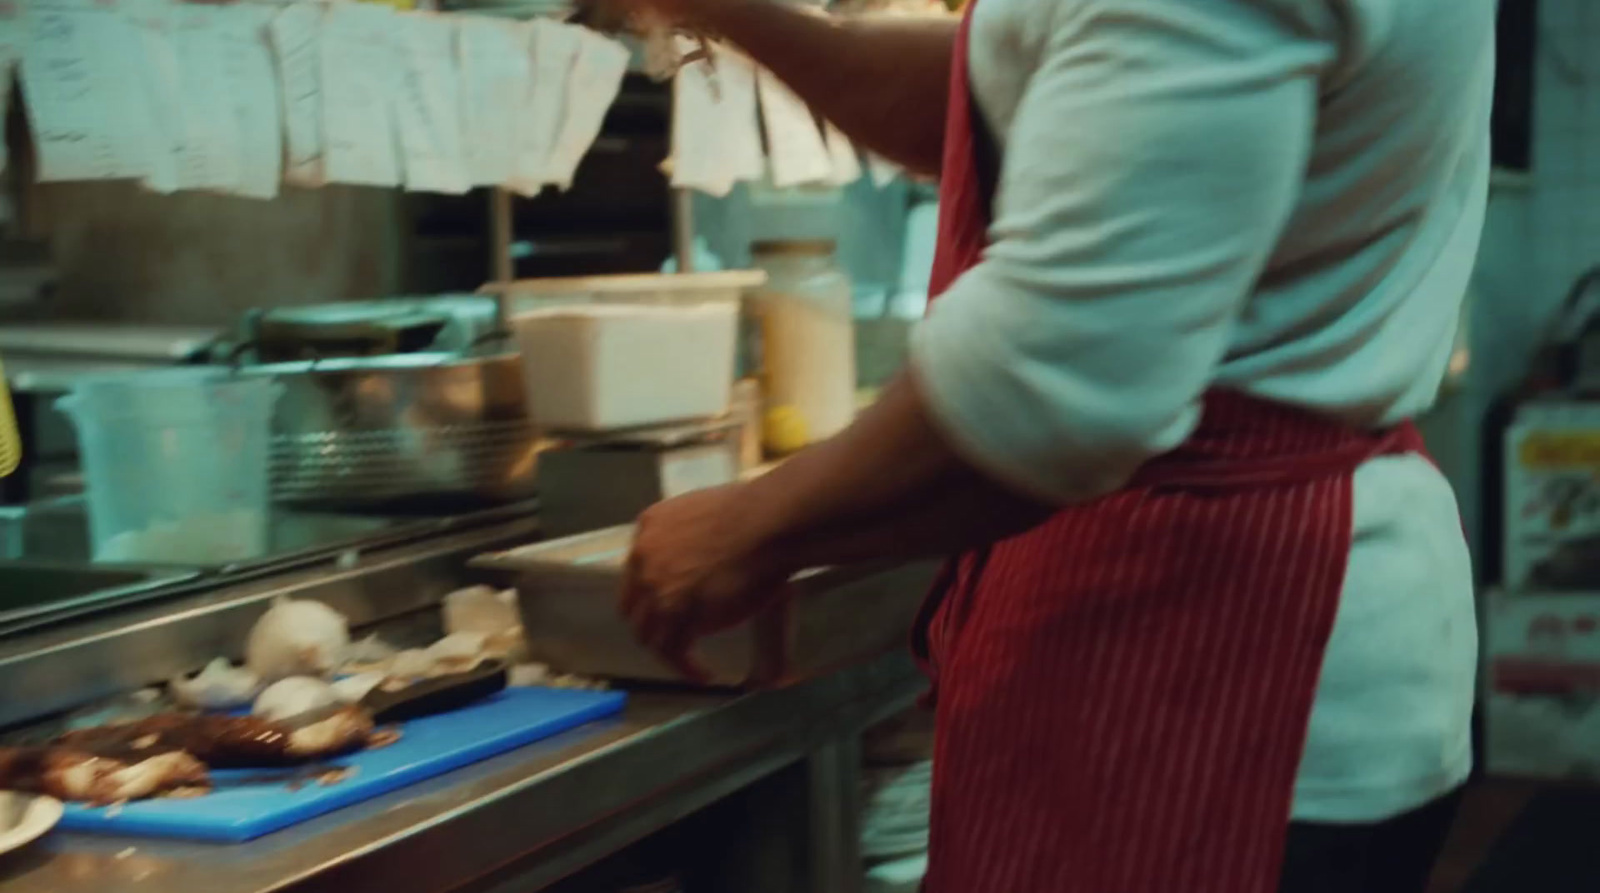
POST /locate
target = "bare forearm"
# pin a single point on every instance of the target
(947, 520)
(883, 81)
(887, 487)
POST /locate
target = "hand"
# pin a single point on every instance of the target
(699, 566)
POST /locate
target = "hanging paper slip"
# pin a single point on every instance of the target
(428, 105)
(159, 83)
(553, 47)
(78, 68)
(883, 170)
(250, 83)
(359, 64)
(496, 71)
(295, 36)
(844, 166)
(211, 137)
(592, 86)
(794, 144)
(716, 131)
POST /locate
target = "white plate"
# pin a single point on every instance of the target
(25, 818)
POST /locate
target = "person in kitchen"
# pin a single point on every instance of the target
(1199, 261)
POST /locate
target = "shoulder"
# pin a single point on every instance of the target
(1099, 29)
(1236, 25)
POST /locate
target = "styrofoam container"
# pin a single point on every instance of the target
(607, 352)
(606, 366)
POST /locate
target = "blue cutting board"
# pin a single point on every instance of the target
(247, 803)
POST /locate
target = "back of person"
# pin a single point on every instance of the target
(1368, 274)
(1388, 224)
(1353, 315)
(1366, 281)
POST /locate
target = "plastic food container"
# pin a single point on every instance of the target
(665, 289)
(175, 462)
(607, 352)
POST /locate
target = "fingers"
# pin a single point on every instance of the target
(663, 624)
(663, 620)
(668, 628)
(770, 663)
(669, 599)
(677, 650)
(633, 591)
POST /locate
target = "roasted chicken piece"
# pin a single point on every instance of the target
(232, 741)
(167, 754)
(69, 774)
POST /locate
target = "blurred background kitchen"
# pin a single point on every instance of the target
(439, 370)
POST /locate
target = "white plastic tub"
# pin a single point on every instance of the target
(670, 289)
(602, 367)
(606, 352)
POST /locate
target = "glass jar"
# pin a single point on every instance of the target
(808, 358)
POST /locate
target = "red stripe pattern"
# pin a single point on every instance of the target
(1123, 693)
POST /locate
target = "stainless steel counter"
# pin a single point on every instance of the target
(512, 824)
(533, 816)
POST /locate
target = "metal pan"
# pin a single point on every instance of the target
(568, 591)
(380, 430)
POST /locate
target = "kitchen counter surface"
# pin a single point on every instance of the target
(519, 821)
(513, 824)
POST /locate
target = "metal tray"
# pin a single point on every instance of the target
(568, 597)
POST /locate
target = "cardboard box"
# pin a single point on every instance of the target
(1552, 498)
(1542, 680)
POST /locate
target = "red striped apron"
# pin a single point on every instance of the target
(1123, 692)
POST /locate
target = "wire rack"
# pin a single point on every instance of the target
(492, 459)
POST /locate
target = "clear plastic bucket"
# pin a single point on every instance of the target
(175, 462)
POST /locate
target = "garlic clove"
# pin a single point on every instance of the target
(296, 637)
(219, 686)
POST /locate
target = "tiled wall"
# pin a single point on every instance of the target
(1566, 205)
(1543, 232)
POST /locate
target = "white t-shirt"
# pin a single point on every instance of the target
(1282, 197)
